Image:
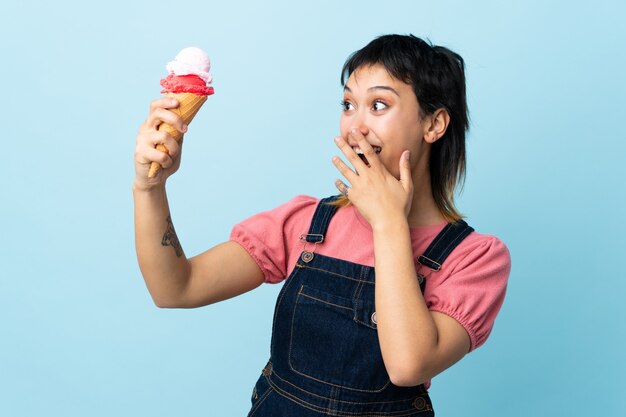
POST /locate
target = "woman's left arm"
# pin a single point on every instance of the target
(416, 343)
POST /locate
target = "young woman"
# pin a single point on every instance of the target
(385, 286)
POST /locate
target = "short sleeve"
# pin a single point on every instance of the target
(269, 235)
(474, 291)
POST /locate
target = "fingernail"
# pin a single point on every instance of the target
(184, 128)
(407, 155)
(174, 102)
(337, 139)
(353, 131)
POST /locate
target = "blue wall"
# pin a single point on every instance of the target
(79, 332)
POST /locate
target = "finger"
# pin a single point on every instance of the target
(366, 148)
(154, 155)
(161, 137)
(344, 169)
(147, 154)
(152, 138)
(405, 171)
(342, 187)
(161, 115)
(163, 102)
(173, 147)
(347, 150)
(160, 103)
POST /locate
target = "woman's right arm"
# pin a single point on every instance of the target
(222, 272)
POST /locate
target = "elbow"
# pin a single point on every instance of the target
(161, 303)
(408, 377)
(166, 302)
(176, 302)
(408, 380)
(167, 298)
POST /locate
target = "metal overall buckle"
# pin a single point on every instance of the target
(421, 277)
(307, 256)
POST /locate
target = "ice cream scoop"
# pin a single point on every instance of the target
(191, 60)
(187, 82)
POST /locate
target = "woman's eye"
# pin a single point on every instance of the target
(379, 105)
(346, 105)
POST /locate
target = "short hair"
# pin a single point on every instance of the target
(437, 76)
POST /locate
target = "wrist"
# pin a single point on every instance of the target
(149, 189)
(391, 224)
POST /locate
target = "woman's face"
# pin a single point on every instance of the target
(385, 110)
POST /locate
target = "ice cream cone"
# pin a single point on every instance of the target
(189, 105)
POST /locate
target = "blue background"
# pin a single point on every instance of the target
(80, 335)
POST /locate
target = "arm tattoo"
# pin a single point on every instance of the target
(170, 238)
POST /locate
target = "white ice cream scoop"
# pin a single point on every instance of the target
(191, 60)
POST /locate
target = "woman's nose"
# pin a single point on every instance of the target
(360, 124)
(362, 128)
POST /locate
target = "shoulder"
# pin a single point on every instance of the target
(299, 206)
(269, 235)
(484, 251)
(297, 209)
(472, 284)
(297, 202)
(302, 200)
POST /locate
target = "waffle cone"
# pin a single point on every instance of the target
(189, 105)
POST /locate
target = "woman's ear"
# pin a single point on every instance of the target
(436, 125)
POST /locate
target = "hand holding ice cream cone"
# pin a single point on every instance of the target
(187, 82)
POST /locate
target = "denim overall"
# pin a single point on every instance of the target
(325, 356)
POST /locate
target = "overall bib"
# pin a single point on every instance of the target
(325, 358)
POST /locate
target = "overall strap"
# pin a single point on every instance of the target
(441, 246)
(321, 219)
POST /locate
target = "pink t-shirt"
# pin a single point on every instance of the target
(470, 287)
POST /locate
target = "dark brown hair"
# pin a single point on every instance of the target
(437, 75)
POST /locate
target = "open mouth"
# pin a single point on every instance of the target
(359, 152)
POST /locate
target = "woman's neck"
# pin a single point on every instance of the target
(424, 210)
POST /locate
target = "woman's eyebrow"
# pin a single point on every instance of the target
(378, 87)
(383, 87)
